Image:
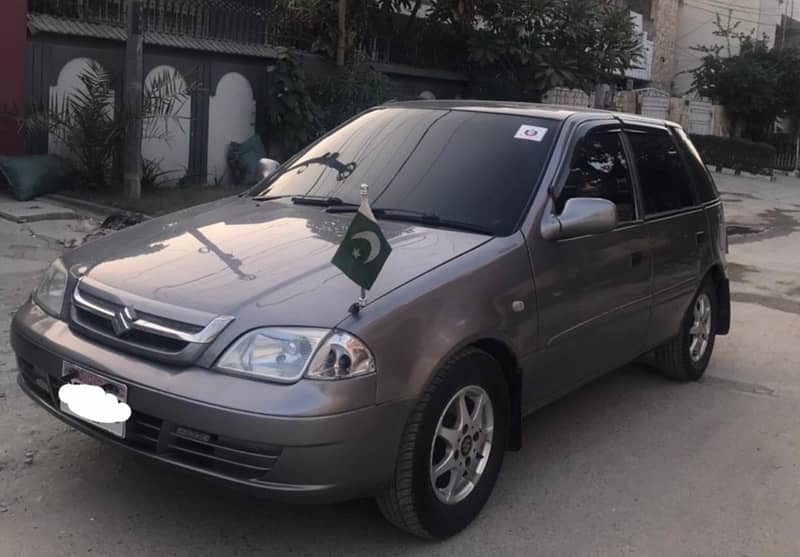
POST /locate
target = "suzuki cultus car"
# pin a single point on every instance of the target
(533, 249)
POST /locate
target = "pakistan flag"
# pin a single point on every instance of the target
(364, 249)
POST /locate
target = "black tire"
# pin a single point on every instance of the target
(673, 358)
(409, 502)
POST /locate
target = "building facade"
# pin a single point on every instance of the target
(699, 19)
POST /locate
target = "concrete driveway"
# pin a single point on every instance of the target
(629, 465)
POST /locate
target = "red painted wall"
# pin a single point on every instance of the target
(13, 35)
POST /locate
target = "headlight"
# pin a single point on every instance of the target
(50, 292)
(286, 354)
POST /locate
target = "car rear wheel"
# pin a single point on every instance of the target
(452, 449)
(686, 357)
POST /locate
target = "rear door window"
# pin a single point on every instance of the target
(599, 169)
(663, 179)
(701, 178)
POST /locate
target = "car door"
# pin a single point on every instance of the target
(676, 224)
(593, 291)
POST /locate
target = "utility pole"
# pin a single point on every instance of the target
(341, 45)
(134, 77)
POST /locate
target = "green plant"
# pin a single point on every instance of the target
(83, 124)
(738, 154)
(294, 119)
(152, 175)
(352, 89)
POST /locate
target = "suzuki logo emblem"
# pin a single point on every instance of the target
(122, 320)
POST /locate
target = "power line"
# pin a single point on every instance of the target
(693, 30)
(750, 10)
(708, 11)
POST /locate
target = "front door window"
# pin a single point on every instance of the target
(599, 169)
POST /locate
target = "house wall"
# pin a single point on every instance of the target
(229, 104)
(12, 62)
(182, 147)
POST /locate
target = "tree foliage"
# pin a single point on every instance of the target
(519, 49)
(756, 84)
(353, 89)
(300, 111)
(512, 49)
(294, 118)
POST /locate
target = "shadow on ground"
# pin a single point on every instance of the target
(573, 452)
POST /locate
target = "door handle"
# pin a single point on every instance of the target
(636, 258)
(701, 237)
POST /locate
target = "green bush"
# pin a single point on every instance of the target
(738, 154)
(294, 119)
(352, 89)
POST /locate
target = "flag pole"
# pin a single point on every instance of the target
(362, 300)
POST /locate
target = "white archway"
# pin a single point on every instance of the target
(232, 117)
(166, 140)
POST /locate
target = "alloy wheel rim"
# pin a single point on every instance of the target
(700, 332)
(461, 445)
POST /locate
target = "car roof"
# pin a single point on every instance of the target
(535, 110)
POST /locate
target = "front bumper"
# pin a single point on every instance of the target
(305, 458)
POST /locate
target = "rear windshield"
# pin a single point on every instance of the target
(472, 167)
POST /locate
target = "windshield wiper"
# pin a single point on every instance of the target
(314, 200)
(421, 217)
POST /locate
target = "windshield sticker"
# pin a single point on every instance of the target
(531, 133)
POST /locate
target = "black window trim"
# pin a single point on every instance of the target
(682, 150)
(639, 127)
(583, 130)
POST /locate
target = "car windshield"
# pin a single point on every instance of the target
(476, 168)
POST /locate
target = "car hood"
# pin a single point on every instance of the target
(269, 262)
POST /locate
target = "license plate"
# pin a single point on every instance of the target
(76, 375)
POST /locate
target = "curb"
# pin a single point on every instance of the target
(90, 206)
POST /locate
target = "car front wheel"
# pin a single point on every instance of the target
(452, 449)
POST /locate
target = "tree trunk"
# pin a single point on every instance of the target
(738, 127)
(134, 76)
(341, 45)
(412, 19)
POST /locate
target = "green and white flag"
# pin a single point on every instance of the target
(364, 249)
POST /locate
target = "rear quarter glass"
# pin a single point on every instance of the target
(701, 177)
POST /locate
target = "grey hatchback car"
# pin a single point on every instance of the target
(533, 249)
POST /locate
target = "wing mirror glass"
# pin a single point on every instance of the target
(580, 216)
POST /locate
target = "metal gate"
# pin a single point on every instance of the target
(786, 151)
(700, 117)
(655, 106)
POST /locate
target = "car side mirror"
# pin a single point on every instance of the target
(581, 216)
(267, 167)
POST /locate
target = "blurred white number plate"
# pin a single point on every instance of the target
(79, 376)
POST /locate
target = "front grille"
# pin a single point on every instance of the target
(142, 339)
(223, 455)
(102, 316)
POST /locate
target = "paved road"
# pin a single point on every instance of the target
(629, 465)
